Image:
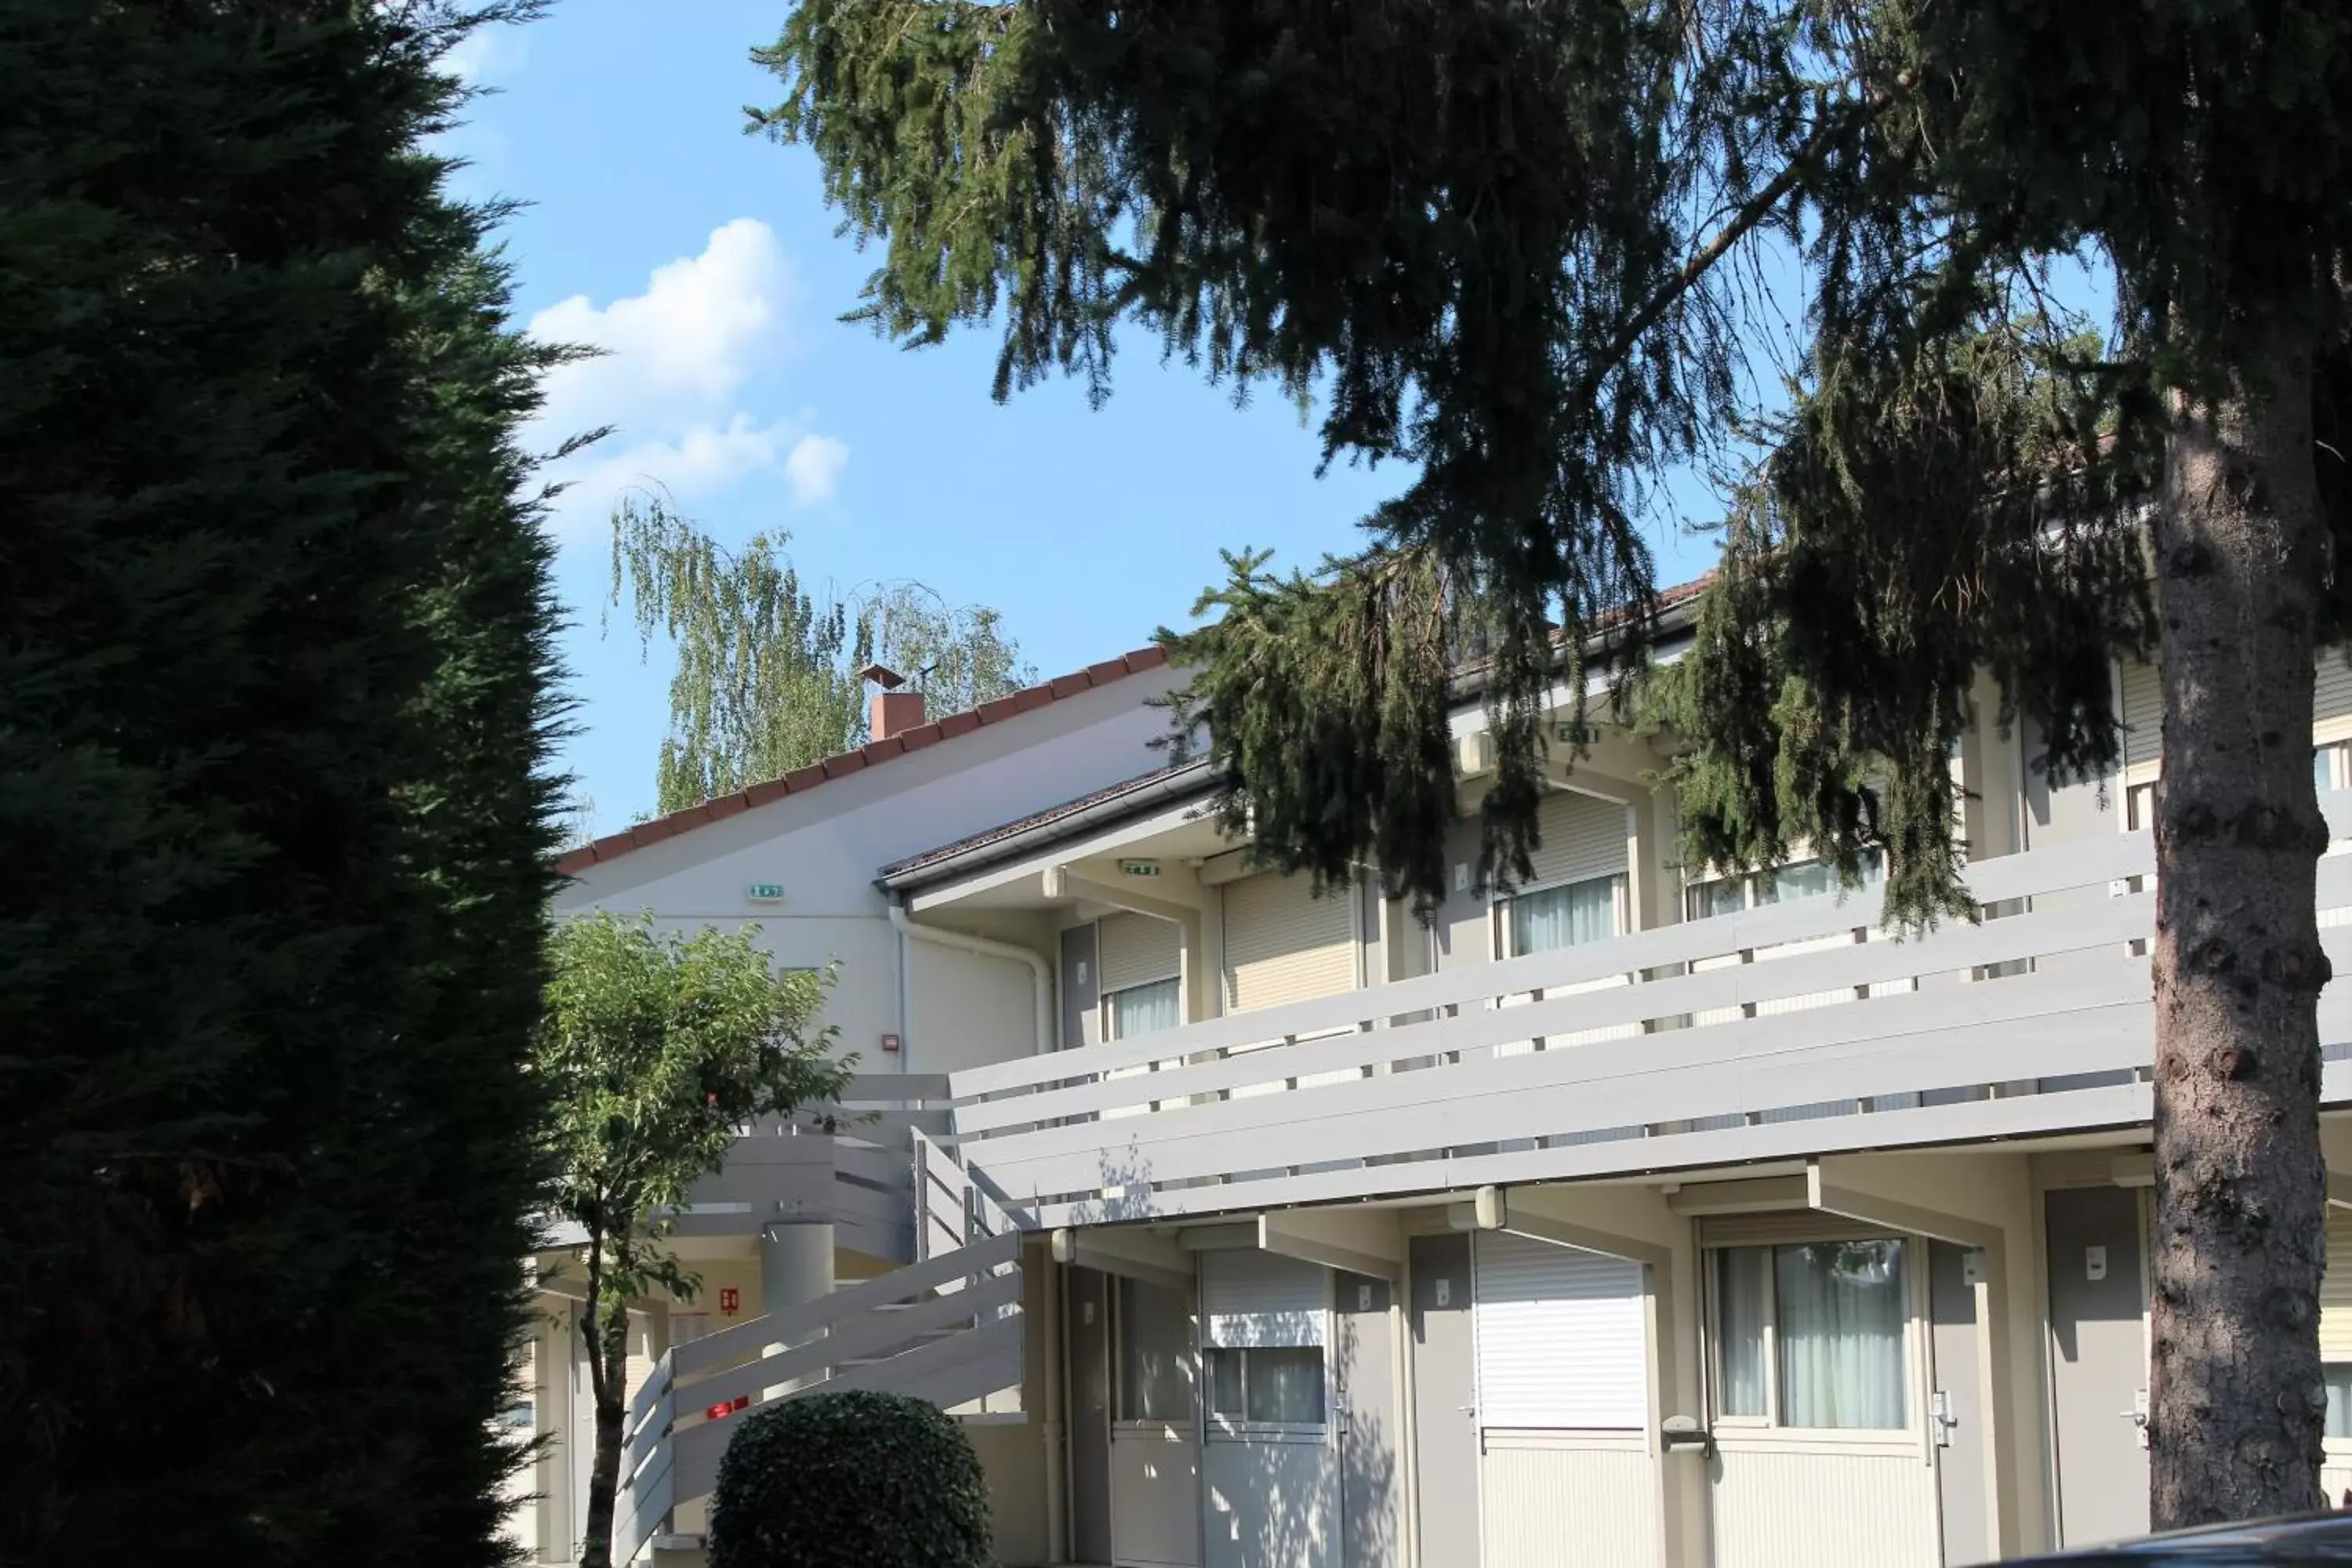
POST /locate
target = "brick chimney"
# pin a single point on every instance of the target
(891, 711)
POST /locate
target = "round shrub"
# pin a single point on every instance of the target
(856, 1480)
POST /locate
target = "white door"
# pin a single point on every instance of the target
(1567, 1478)
(1269, 1468)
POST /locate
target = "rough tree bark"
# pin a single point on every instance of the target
(2236, 1397)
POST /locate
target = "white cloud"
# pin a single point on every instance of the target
(815, 469)
(486, 55)
(672, 378)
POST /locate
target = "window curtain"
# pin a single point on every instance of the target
(1723, 896)
(1145, 1009)
(1563, 917)
(1840, 1324)
(1739, 1295)
(1286, 1383)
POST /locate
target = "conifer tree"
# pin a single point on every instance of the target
(274, 719)
(1518, 245)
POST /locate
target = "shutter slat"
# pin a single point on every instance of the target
(1284, 944)
(2332, 698)
(1137, 950)
(1261, 1298)
(1561, 1336)
(2143, 714)
(1582, 837)
(1789, 1226)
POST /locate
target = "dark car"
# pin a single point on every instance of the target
(2319, 1538)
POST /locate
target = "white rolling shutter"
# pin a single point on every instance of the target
(1284, 944)
(1581, 837)
(2143, 714)
(1253, 1297)
(1136, 950)
(1561, 1340)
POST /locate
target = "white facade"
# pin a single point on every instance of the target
(1629, 1219)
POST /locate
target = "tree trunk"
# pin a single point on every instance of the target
(2236, 1398)
(604, 1465)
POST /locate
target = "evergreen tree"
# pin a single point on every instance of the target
(275, 721)
(767, 677)
(1517, 245)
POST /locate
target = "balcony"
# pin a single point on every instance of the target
(1789, 1030)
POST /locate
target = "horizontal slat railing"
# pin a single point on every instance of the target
(947, 1372)
(747, 1340)
(870, 1335)
(1708, 1024)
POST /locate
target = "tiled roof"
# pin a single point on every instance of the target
(612, 846)
(801, 780)
(1046, 819)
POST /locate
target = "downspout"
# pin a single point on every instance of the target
(962, 941)
(1057, 1488)
(1057, 1516)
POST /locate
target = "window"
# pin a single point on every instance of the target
(2139, 808)
(2338, 1377)
(1781, 884)
(1281, 1385)
(1811, 1334)
(1143, 1010)
(1155, 1360)
(1563, 916)
(2331, 766)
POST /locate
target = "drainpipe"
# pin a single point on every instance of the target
(1056, 1489)
(987, 947)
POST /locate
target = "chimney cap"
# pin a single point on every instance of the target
(887, 679)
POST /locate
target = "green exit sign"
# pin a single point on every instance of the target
(1140, 867)
(764, 893)
(1578, 734)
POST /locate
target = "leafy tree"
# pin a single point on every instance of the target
(1521, 246)
(274, 719)
(656, 1049)
(767, 677)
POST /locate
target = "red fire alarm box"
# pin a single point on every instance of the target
(890, 1043)
(730, 1300)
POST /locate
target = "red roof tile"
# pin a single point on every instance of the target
(945, 728)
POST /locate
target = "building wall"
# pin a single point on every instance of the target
(825, 846)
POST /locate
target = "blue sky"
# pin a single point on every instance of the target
(706, 262)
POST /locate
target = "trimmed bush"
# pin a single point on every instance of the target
(850, 1481)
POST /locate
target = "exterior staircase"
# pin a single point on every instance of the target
(947, 1329)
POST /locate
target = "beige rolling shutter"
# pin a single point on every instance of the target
(1581, 837)
(2335, 1289)
(1789, 1226)
(2333, 697)
(1284, 944)
(2143, 714)
(1137, 950)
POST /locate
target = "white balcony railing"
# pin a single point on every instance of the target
(1790, 1029)
(846, 1163)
